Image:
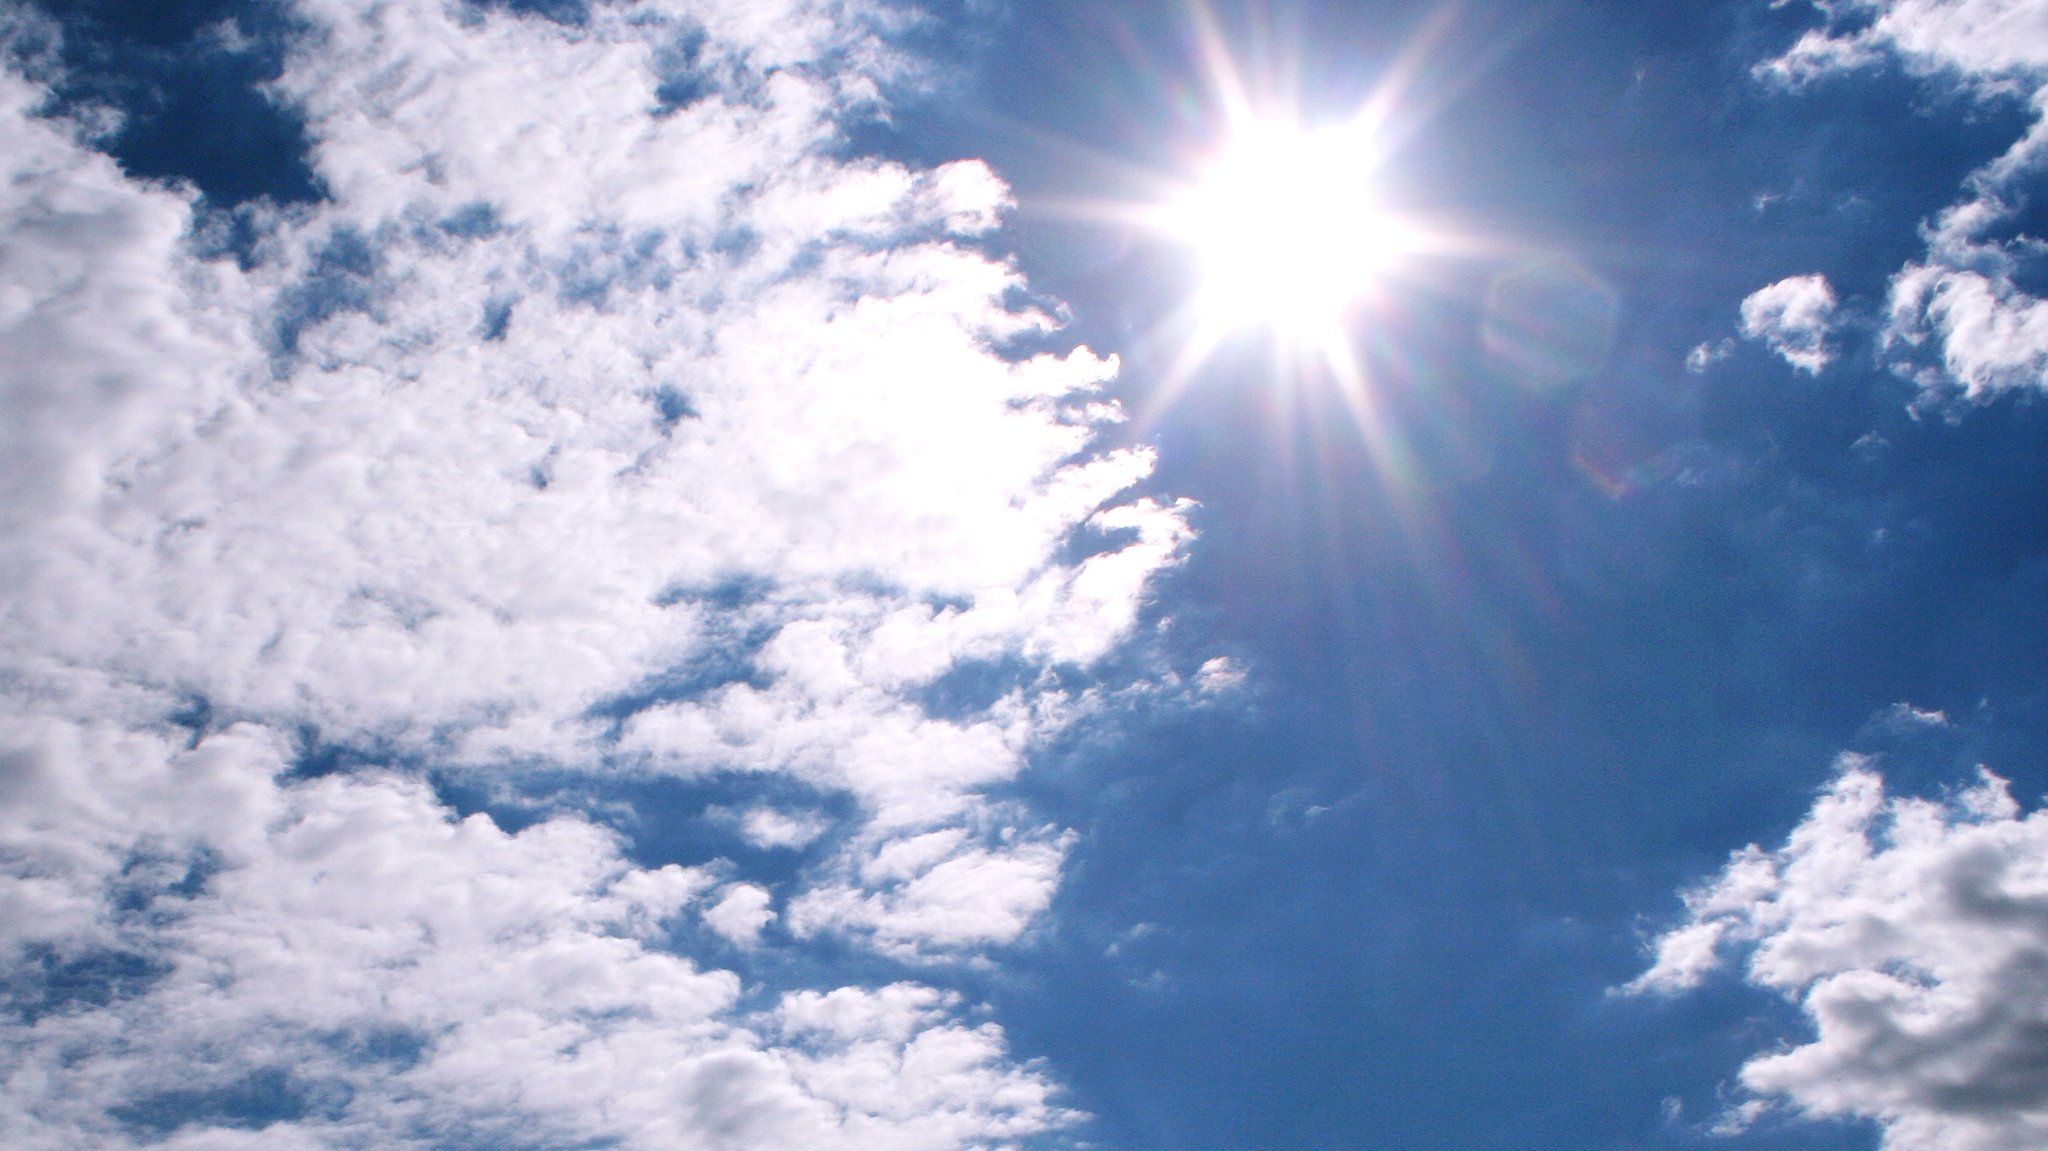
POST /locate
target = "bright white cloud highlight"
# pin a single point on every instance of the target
(766, 827)
(1911, 932)
(741, 912)
(1792, 316)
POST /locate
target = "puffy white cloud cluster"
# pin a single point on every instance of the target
(1960, 318)
(1914, 936)
(567, 392)
(337, 963)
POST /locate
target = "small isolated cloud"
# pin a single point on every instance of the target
(1219, 675)
(741, 912)
(1706, 355)
(1903, 718)
(1793, 317)
(1912, 934)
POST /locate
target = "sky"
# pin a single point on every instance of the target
(1161, 576)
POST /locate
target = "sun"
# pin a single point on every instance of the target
(1287, 228)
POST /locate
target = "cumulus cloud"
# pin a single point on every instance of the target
(741, 912)
(583, 431)
(1792, 316)
(1914, 936)
(1960, 318)
(338, 962)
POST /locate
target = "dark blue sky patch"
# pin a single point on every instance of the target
(473, 221)
(392, 1047)
(968, 689)
(189, 99)
(828, 960)
(570, 13)
(515, 805)
(610, 259)
(728, 660)
(729, 594)
(233, 233)
(253, 1102)
(671, 406)
(45, 981)
(194, 713)
(154, 884)
(1322, 982)
(497, 318)
(314, 755)
(342, 278)
(682, 71)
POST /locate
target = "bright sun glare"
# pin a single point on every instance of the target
(1286, 227)
(1295, 226)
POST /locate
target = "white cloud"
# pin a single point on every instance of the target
(405, 979)
(1963, 303)
(1705, 355)
(1903, 718)
(766, 827)
(741, 912)
(1986, 42)
(937, 894)
(559, 400)
(1218, 676)
(1793, 316)
(1911, 934)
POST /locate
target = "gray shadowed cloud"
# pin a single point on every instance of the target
(1913, 934)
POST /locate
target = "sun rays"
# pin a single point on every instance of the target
(1286, 227)
(1296, 230)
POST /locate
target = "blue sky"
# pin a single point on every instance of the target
(712, 574)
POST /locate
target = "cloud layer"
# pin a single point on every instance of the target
(583, 430)
(1914, 936)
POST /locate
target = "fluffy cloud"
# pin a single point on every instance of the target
(1912, 934)
(337, 962)
(1959, 318)
(582, 431)
(1994, 43)
(1793, 317)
